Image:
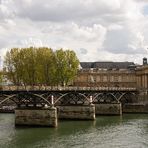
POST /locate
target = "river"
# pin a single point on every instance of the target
(127, 131)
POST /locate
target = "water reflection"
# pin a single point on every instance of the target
(106, 132)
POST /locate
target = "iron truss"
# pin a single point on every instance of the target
(42, 98)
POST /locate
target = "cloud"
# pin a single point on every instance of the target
(65, 10)
(124, 41)
(83, 51)
(111, 30)
(6, 11)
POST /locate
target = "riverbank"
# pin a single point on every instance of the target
(135, 108)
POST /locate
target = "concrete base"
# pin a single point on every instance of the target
(135, 108)
(37, 117)
(108, 109)
(76, 112)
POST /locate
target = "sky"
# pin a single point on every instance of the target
(97, 30)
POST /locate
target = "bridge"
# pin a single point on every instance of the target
(53, 96)
(65, 102)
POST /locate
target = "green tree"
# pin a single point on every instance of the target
(1, 76)
(12, 65)
(28, 65)
(66, 66)
(1, 79)
(45, 65)
(40, 66)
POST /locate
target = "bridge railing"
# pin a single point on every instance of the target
(60, 88)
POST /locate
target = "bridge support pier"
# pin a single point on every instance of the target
(36, 117)
(83, 112)
(108, 109)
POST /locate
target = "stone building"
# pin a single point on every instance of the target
(113, 74)
(142, 77)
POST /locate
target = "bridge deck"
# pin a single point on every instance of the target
(37, 97)
(68, 89)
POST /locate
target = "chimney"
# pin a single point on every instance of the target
(144, 61)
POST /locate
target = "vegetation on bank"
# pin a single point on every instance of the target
(40, 66)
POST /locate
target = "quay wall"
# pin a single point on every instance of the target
(108, 109)
(135, 108)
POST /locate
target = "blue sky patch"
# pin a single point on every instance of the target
(145, 10)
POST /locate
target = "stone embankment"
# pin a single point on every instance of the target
(135, 108)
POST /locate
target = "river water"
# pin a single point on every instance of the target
(127, 131)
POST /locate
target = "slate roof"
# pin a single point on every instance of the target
(106, 65)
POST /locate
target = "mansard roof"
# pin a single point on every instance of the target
(106, 65)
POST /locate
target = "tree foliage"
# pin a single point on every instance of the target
(40, 66)
(67, 64)
(1, 76)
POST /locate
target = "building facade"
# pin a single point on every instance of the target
(142, 77)
(106, 78)
(113, 74)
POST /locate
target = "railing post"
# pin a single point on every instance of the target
(90, 100)
(52, 101)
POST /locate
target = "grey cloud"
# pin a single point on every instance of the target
(6, 10)
(141, 1)
(116, 41)
(83, 51)
(63, 10)
(72, 24)
(3, 43)
(120, 42)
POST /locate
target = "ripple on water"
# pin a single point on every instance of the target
(129, 131)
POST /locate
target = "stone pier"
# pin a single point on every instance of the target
(108, 109)
(36, 117)
(85, 112)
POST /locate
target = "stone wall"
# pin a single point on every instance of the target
(108, 109)
(105, 78)
(135, 108)
(38, 117)
(76, 112)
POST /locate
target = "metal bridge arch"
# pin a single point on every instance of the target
(121, 98)
(20, 99)
(8, 98)
(96, 96)
(114, 96)
(41, 97)
(56, 101)
(75, 97)
(105, 97)
(70, 97)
